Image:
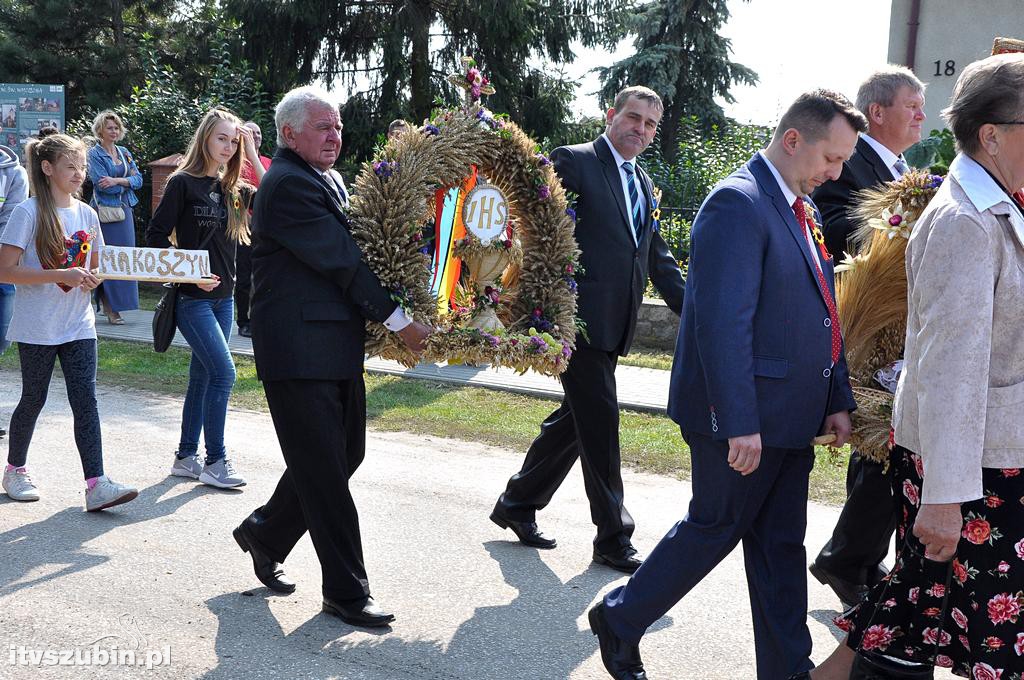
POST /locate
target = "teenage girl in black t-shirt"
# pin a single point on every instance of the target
(206, 197)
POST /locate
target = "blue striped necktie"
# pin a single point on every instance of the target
(634, 199)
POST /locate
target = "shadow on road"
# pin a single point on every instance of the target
(58, 539)
(537, 635)
(824, 617)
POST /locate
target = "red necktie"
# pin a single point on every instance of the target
(833, 313)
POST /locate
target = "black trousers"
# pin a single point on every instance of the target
(243, 283)
(585, 426)
(862, 535)
(321, 426)
(78, 363)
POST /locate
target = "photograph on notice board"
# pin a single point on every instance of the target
(9, 115)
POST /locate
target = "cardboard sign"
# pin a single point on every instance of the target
(121, 263)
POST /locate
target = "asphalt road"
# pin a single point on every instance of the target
(162, 574)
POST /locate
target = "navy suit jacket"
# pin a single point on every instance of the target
(754, 351)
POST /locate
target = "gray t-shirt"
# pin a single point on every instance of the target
(45, 314)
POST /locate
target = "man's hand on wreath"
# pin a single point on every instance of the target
(415, 336)
(840, 425)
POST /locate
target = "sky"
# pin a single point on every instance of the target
(793, 46)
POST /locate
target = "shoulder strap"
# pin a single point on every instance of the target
(206, 239)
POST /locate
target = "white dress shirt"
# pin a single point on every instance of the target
(790, 200)
(887, 156)
(624, 177)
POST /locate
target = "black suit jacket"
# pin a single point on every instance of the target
(312, 293)
(834, 199)
(615, 269)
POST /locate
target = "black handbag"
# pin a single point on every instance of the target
(872, 665)
(164, 320)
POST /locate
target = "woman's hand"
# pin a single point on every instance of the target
(107, 182)
(210, 285)
(77, 277)
(248, 144)
(938, 526)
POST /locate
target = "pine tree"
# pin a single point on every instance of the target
(396, 54)
(91, 48)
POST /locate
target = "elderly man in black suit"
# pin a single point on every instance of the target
(892, 99)
(621, 249)
(312, 294)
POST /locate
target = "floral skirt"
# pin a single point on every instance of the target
(982, 634)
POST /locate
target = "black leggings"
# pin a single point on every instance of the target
(78, 362)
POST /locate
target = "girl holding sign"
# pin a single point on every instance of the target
(47, 250)
(206, 197)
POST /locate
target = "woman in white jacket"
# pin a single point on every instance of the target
(959, 409)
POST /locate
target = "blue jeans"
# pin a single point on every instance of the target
(6, 310)
(206, 326)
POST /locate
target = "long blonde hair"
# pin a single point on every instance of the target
(196, 160)
(50, 245)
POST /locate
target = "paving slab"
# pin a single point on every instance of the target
(162, 574)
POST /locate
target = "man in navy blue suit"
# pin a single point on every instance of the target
(758, 372)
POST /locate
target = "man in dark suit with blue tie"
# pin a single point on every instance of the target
(758, 373)
(620, 248)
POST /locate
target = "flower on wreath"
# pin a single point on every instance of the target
(543, 160)
(543, 192)
(487, 118)
(384, 169)
(431, 130)
(893, 222)
(571, 213)
(538, 321)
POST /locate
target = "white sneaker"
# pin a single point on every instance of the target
(187, 467)
(108, 493)
(221, 475)
(19, 486)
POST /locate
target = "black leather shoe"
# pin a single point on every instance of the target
(269, 572)
(366, 614)
(849, 593)
(806, 675)
(621, 659)
(527, 532)
(625, 560)
(245, 331)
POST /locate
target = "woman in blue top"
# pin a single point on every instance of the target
(115, 177)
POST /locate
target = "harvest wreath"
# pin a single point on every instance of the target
(471, 188)
(871, 293)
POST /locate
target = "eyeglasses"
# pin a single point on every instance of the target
(1008, 122)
